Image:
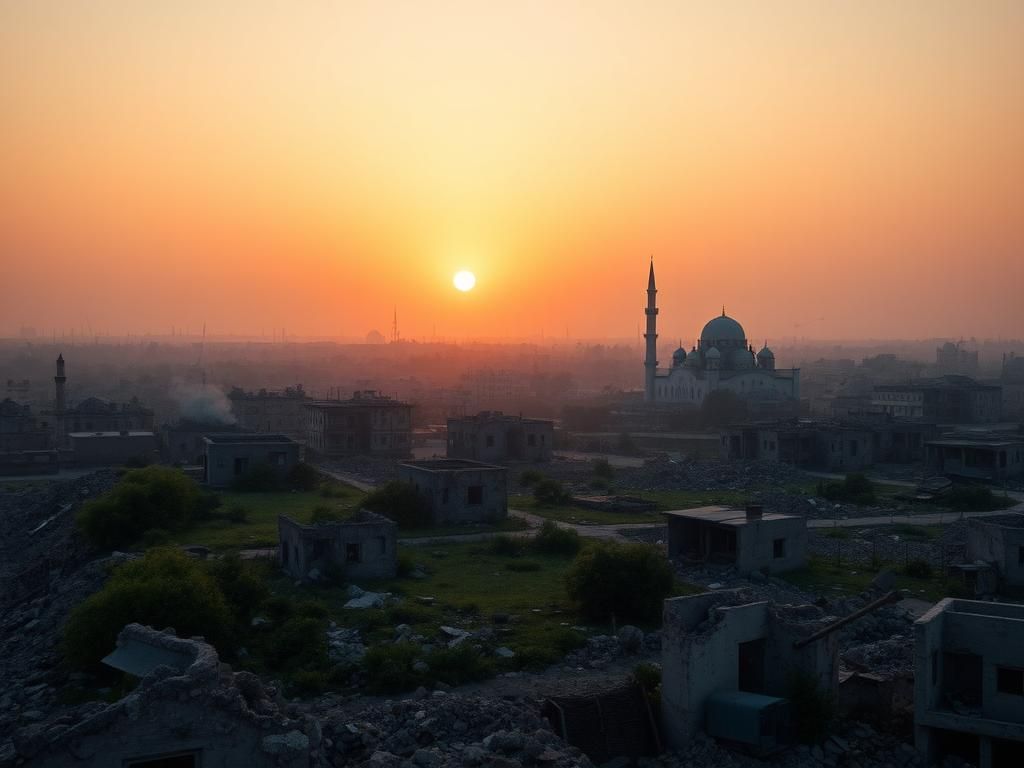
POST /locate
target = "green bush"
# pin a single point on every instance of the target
(548, 492)
(600, 484)
(506, 546)
(238, 514)
(332, 490)
(308, 682)
(299, 643)
(552, 539)
(165, 588)
(530, 477)
(243, 584)
(143, 499)
(406, 565)
(624, 582)
(855, 488)
(971, 498)
(303, 477)
(389, 668)
(603, 469)
(458, 665)
(918, 569)
(400, 502)
(324, 514)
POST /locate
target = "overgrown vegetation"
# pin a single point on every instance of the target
(548, 492)
(621, 582)
(530, 477)
(551, 539)
(855, 488)
(155, 497)
(918, 569)
(263, 478)
(603, 469)
(400, 502)
(973, 498)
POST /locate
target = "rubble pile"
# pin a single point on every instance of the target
(601, 651)
(864, 546)
(446, 729)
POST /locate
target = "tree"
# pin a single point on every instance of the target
(400, 502)
(625, 582)
(165, 588)
(549, 492)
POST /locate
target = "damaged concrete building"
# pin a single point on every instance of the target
(368, 423)
(998, 542)
(366, 546)
(458, 490)
(493, 436)
(977, 455)
(230, 455)
(720, 644)
(189, 710)
(748, 538)
(969, 683)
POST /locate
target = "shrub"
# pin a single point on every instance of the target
(298, 643)
(303, 477)
(154, 497)
(458, 665)
(918, 569)
(552, 539)
(324, 514)
(603, 469)
(155, 537)
(600, 484)
(400, 502)
(855, 489)
(530, 477)
(971, 498)
(523, 566)
(332, 490)
(243, 585)
(389, 668)
(624, 582)
(165, 588)
(549, 492)
(505, 546)
(238, 514)
(406, 565)
(308, 681)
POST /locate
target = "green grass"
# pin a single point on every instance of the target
(823, 576)
(666, 500)
(507, 525)
(260, 527)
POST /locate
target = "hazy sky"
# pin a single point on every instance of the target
(311, 165)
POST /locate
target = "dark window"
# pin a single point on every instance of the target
(1010, 680)
(779, 548)
(853, 447)
(542, 439)
(531, 440)
(352, 553)
(241, 465)
(382, 545)
(444, 496)
(475, 494)
(490, 441)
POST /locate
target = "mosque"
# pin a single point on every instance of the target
(721, 359)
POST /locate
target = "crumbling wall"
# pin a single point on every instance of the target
(366, 546)
(756, 545)
(998, 544)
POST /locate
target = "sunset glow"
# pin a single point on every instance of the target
(464, 280)
(830, 170)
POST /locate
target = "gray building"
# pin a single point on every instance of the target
(366, 546)
(947, 400)
(724, 642)
(749, 539)
(990, 456)
(493, 436)
(231, 455)
(1000, 543)
(458, 490)
(969, 683)
(98, 449)
(368, 423)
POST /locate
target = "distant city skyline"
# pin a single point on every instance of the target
(827, 171)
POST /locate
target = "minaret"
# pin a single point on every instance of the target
(651, 337)
(59, 381)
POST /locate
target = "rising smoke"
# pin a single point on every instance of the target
(203, 404)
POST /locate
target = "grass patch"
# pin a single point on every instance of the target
(822, 575)
(509, 525)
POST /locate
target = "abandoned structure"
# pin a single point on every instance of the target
(722, 643)
(954, 358)
(367, 423)
(98, 449)
(1000, 543)
(721, 359)
(749, 539)
(493, 436)
(989, 456)
(189, 710)
(20, 430)
(279, 411)
(183, 443)
(366, 546)
(458, 490)
(230, 456)
(969, 683)
(946, 400)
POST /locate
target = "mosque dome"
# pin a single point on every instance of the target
(766, 354)
(742, 358)
(713, 354)
(678, 357)
(722, 329)
(693, 360)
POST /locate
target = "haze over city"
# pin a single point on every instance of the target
(827, 170)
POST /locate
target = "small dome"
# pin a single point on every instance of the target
(742, 358)
(713, 354)
(693, 360)
(679, 357)
(766, 353)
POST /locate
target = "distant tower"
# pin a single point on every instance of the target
(651, 337)
(59, 381)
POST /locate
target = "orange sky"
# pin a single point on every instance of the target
(262, 165)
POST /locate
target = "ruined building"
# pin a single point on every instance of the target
(231, 455)
(494, 437)
(368, 423)
(459, 491)
(281, 411)
(721, 359)
(999, 542)
(366, 546)
(969, 683)
(946, 400)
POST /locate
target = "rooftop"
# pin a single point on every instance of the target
(449, 465)
(723, 515)
(240, 438)
(128, 433)
(490, 416)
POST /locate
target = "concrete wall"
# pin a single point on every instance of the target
(449, 495)
(755, 545)
(106, 450)
(221, 467)
(500, 439)
(366, 546)
(998, 544)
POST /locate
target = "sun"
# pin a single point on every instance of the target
(464, 280)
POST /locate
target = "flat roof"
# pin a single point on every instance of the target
(995, 442)
(230, 438)
(723, 515)
(358, 402)
(130, 433)
(449, 465)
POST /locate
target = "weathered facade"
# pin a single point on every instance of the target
(369, 423)
(494, 437)
(98, 449)
(992, 456)
(20, 430)
(749, 539)
(458, 490)
(188, 711)
(1000, 543)
(723, 641)
(366, 546)
(969, 683)
(947, 400)
(278, 411)
(230, 456)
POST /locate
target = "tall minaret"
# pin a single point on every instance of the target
(651, 337)
(59, 381)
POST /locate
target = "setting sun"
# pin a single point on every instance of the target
(464, 280)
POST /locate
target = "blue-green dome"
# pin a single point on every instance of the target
(722, 328)
(678, 357)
